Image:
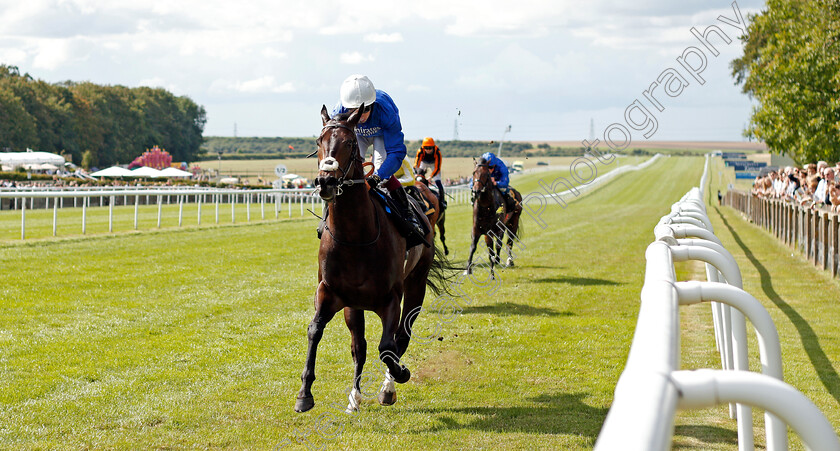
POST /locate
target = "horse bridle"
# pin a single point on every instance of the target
(342, 180)
(483, 185)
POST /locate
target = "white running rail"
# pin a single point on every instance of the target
(298, 199)
(653, 386)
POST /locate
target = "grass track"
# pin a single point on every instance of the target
(195, 337)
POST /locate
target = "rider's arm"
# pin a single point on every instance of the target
(503, 176)
(394, 147)
(437, 163)
(418, 158)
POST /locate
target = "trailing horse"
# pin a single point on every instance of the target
(363, 265)
(492, 219)
(440, 218)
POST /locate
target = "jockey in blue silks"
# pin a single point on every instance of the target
(499, 174)
(380, 127)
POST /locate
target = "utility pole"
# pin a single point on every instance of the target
(507, 130)
(455, 134)
(234, 129)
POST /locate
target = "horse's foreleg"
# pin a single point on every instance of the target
(325, 308)
(491, 251)
(355, 320)
(442, 229)
(475, 238)
(390, 317)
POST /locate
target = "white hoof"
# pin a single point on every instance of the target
(388, 391)
(510, 261)
(355, 400)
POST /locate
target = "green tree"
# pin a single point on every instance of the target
(791, 67)
(88, 159)
(115, 123)
(17, 127)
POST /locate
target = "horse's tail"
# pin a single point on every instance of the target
(441, 273)
(520, 230)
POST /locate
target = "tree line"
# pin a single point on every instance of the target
(96, 125)
(791, 67)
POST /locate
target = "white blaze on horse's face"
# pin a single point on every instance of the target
(329, 164)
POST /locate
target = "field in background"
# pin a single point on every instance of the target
(454, 167)
(705, 146)
(196, 337)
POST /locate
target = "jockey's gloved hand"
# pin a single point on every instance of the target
(374, 180)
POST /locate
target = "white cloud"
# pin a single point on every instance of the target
(14, 56)
(51, 54)
(355, 58)
(157, 82)
(266, 84)
(418, 88)
(273, 53)
(383, 37)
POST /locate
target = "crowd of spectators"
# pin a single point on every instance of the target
(813, 186)
(456, 181)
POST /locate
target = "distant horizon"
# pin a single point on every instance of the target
(654, 144)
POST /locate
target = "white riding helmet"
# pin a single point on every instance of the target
(357, 90)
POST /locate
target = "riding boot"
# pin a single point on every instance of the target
(407, 222)
(441, 195)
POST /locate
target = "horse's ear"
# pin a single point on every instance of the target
(325, 115)
(355, 116)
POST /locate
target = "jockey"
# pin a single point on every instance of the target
(428, 157)
(499, 175)
(380, 127)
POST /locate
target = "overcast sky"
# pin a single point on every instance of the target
(544, 67)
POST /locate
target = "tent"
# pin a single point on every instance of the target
(16, 159)
(113, 171)
(145, 171)
(174, 172)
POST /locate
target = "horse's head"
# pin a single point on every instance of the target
(420, 176)
(339, 161)
(482, 178)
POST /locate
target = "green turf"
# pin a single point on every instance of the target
(195, 337)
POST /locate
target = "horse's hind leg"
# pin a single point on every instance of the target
(415, 292)
(326, 306)
(510, 251)
(512, 232)
(355, 320)
(390, 316)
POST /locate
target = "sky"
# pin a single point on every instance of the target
(549, 69)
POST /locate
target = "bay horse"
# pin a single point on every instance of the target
(440, 219)
(363, 265)
(491, 219)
